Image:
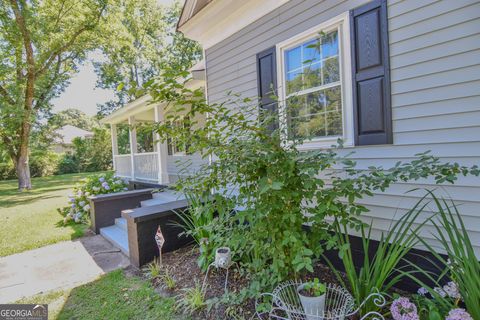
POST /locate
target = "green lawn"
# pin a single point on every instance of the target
(30, 219)
(113, 296)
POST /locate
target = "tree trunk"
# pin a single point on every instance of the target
(22, 169)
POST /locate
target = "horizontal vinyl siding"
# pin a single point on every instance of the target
(175, 164)
(435, 81)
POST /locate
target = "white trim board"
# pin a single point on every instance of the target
(222, 18)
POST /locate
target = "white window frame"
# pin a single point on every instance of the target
(341, 23)
(173, 143)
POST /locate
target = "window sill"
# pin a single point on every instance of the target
(322, 144)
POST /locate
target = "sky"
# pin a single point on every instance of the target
(81, 93)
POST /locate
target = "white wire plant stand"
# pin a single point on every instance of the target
(339, 304)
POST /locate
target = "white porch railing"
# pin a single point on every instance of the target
(123, 167)
(146, 166)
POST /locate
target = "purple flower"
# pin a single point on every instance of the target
(73, 205)
(422, 291)
(403, 309)
(440, 292)
(101, 179)
(451, 289)
(458, 314)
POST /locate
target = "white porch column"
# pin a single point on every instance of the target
(113, 133)
(161, 149)
(133, 143)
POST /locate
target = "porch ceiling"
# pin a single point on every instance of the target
(141, 109)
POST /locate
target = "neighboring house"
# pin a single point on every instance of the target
(151, 160)
(392, 79)
(64, 136)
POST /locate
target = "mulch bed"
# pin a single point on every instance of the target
(182, 266)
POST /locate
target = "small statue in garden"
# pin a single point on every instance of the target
(223, 260)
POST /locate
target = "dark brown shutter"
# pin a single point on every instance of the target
(371, 74)
(267, 87)
(187, 126)
(169, 146)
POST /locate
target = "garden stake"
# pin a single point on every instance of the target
(160, 240)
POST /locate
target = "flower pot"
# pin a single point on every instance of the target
(313, 306)
(223, 257)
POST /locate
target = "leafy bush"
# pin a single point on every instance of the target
(278, 187)
(200, 222)
(92, 154)
(79, 208)
(68, 163)
(7, 169)
(43, 163)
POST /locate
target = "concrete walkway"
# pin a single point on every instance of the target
(59, 266)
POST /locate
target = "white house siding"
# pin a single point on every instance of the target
(176, 164)
(184, 164)
(435, 78)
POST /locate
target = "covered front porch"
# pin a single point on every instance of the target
(138, 153)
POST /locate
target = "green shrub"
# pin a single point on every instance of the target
(68, 164)
(93, 154)
(7, 169)
(279, 187)
(43, 163)
(79, 208)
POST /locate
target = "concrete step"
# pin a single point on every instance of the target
(168, 195)
(117, 236)
(162, 198)
(121, 223)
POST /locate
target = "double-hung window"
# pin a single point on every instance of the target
(313, 84)
(175, 147)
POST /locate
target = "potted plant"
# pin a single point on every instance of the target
(312, 297)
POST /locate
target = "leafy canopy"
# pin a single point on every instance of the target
(145, 43)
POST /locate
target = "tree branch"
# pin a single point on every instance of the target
(43, 96)
(5, 94)
(69, 43)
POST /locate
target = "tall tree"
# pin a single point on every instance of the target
(146, 43)
(73, 117)
(41, 44)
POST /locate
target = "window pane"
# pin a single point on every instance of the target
(312, 76)
(334, 123)
(296, 106)
(293, 58)
(331, 70)
(311, 52)
(333, 98)
(334, 111)
(330, 44)
(310, 66)
(317, 102)
(316, 115)
(294, 81)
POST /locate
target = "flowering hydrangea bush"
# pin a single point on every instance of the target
(403, 309)
(79, 208)
(458, 314)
